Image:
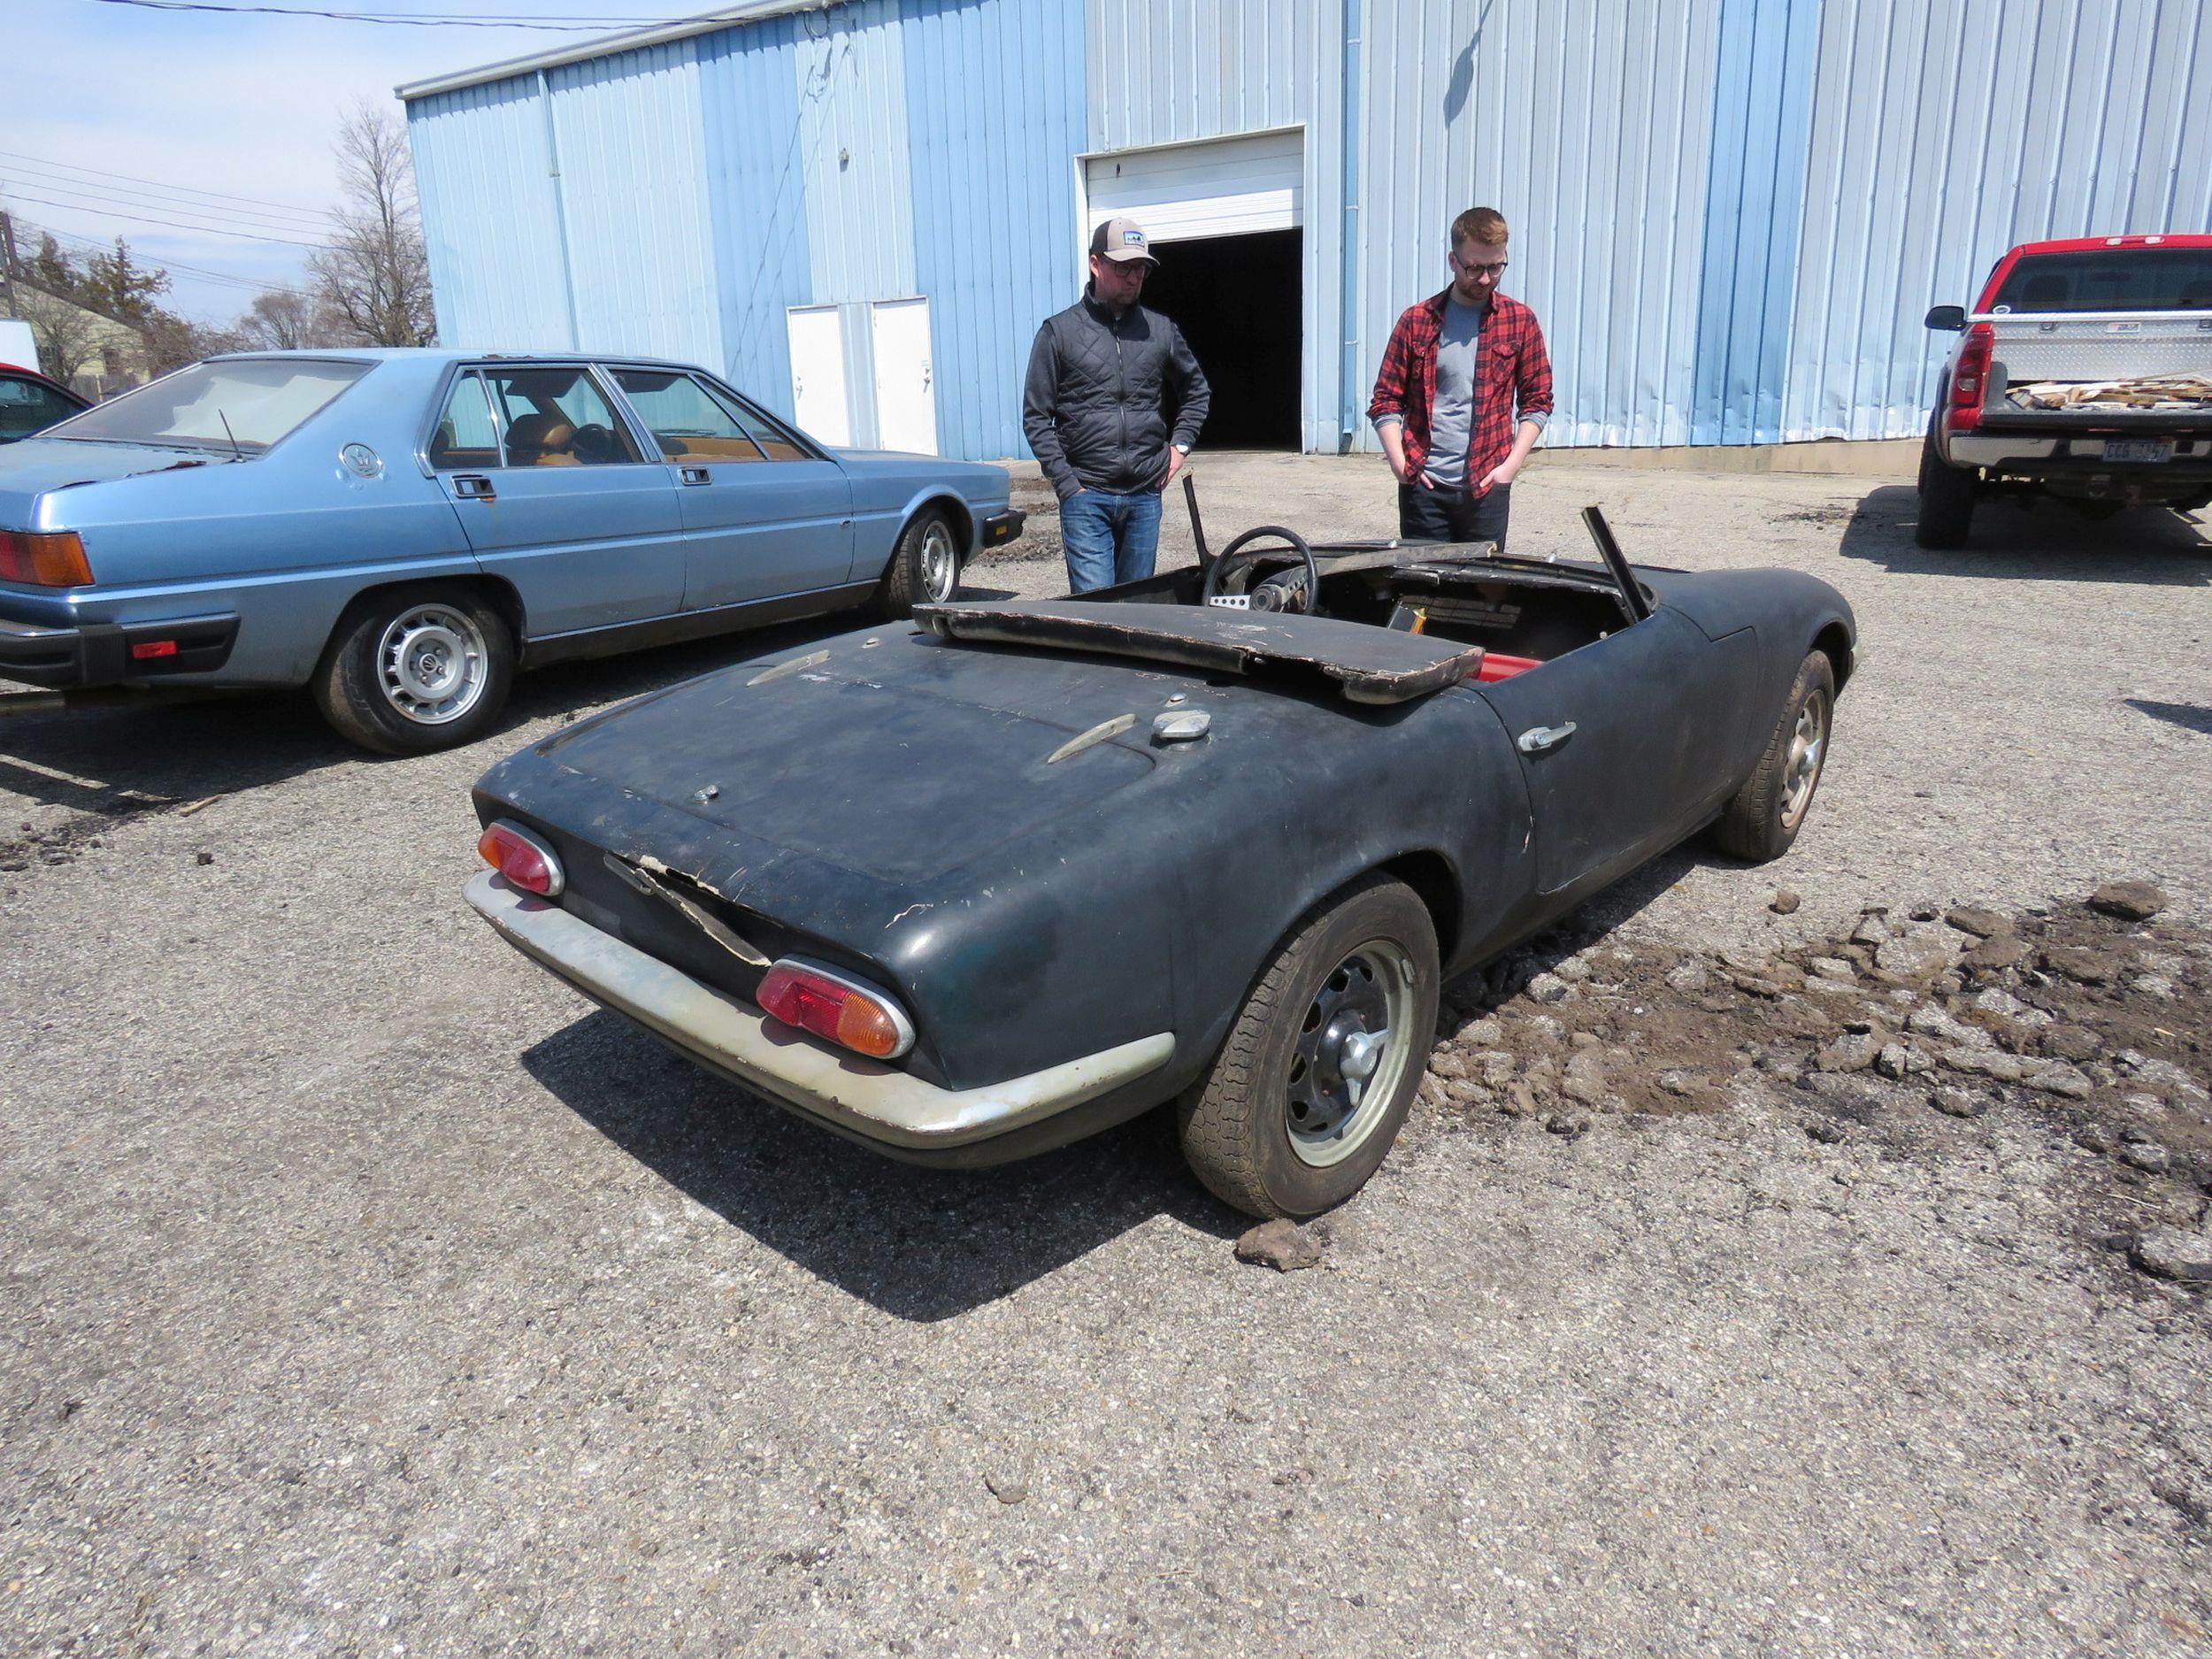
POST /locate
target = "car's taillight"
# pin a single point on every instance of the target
(44, 558)
(522, 857)
(848, 1013)
(1969, 379)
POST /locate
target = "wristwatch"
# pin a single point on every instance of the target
(1182, 448)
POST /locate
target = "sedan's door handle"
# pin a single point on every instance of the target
(474, 487)
(694, 475)
(1537, 739)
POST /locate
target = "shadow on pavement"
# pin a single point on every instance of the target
(919, 1244)
(2190, 717)
(2042, 541)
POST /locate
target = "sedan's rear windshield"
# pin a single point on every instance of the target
(2110, 280)
(252, 401)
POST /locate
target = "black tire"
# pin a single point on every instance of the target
(1764, 818)
(1947, 500)
(1241, 1127)
(925, 568)
(394, 651)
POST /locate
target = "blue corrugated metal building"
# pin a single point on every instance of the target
(1730, 215)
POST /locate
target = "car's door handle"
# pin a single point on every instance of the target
(1537, 739)
(694, 475)
(473, 486)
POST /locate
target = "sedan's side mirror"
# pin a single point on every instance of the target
(1949, 317)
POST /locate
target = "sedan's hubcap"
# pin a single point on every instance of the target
(1350, 1054)
(941, 563)
(1808, 744)
(431, 663)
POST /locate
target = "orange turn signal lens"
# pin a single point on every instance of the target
(526, 861)
(850, 1014)
(44, 558)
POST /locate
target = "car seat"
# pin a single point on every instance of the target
(535, 440)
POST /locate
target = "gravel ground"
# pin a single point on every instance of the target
(368, 1292)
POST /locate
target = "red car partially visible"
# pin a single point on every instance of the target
(30, 402)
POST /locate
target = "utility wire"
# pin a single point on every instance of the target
(231, 279)
(12, 159)
(148, 219)
(104, 198)
(428, 20)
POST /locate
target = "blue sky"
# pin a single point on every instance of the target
(113, 110)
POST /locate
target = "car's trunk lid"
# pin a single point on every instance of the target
(37, 466)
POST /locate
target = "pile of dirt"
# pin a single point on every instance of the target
(2095, 1015)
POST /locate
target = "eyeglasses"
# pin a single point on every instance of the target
(1479, 270)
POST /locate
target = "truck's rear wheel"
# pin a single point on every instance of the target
(1947, 500)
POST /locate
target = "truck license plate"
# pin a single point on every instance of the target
(2138, 449)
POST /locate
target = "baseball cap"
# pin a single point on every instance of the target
(1121, 239)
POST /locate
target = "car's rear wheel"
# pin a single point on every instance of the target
(1764, 818)
(925, 568)
(1947, 500)
(416, 668)
(1311, 1086)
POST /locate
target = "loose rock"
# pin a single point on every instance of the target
(2147, 1155)
(1282, 1245)
(1983, 923)
(1784, 903)
(1549, 987)
(2132, 901)
(2170, 1253)
(1853, 1051)
(1958, 1102)
(1994, 956)
(1585, 1078)
(2082, 965)
(1572, 1125)
(1920, 954)
(1894, 1061)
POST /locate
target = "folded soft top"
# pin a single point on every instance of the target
(1366, 663)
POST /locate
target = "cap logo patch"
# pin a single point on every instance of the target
(1132, 238)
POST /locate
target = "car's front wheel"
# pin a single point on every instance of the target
(925, 568)
(416, 668)
(1762, 819)
(1316, 1075)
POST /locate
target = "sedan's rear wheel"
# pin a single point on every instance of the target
(416, 668)
(1315, 1080)
(1764, 818)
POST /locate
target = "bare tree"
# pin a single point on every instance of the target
(67, 337)
(374, 278)
(280, 319)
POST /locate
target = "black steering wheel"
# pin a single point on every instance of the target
(1236, 552)
(595, 443)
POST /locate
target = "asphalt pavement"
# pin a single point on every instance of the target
(368, 1292)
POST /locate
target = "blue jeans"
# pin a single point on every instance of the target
(1109, 538)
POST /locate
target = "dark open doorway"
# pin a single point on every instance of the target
(1239, 301)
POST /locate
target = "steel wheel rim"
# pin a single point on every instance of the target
(1354, 1042)
(432, 664)
(941, 562)
(1809, 748)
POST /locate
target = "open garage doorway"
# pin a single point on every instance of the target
(1226, 216)
(1240, 301)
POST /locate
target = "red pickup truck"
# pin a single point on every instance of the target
(2085, 373)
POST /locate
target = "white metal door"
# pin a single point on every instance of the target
(906, 393)
(1220, 188)
(818, 373)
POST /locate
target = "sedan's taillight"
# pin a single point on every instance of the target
(848, 1013)
(43, 558)
(1968, 378)
(522, 857)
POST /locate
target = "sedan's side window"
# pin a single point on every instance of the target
(773, 444)
(465, 440)
(558, 417)
(687, 423)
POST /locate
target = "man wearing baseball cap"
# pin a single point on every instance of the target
(1112, 404)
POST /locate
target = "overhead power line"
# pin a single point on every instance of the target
(567, 23)
(104, 198)
(148, 219)
(10, 159)
(229, 279)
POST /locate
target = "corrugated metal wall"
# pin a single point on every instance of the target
(1729, 214)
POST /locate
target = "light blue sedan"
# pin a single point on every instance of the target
(400, 530)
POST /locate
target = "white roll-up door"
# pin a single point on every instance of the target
(1221, 187)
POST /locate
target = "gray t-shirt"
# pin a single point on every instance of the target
(1451, 415)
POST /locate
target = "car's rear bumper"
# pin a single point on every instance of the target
(891, 1108)
(85, 654)
(1001, 527)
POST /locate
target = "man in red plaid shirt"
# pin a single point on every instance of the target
(1459, 369)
